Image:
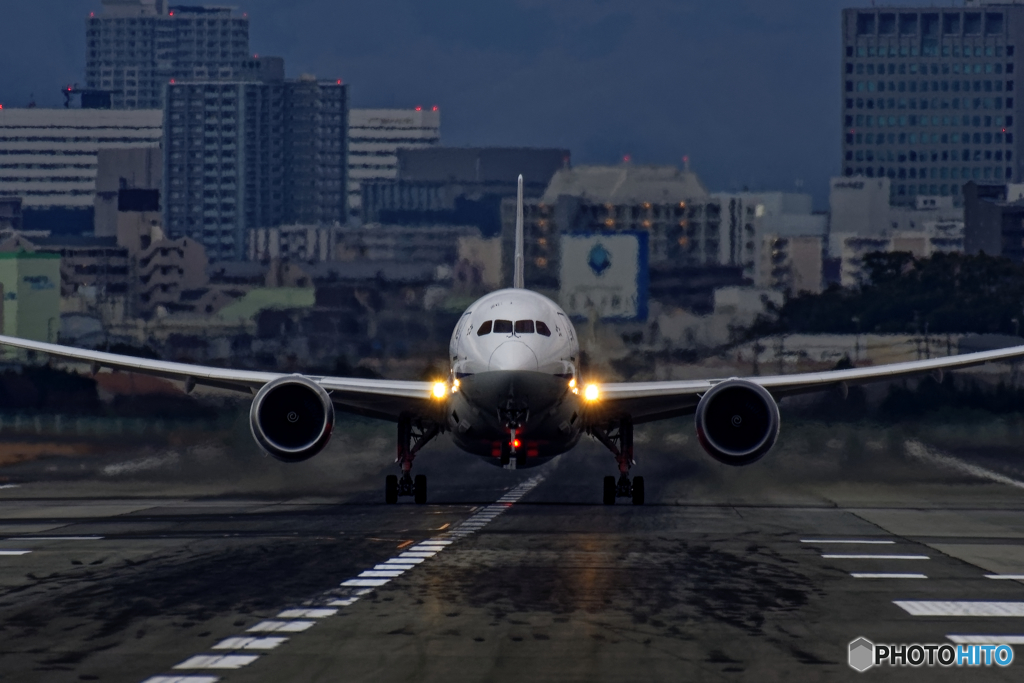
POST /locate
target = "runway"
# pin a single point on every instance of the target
(758, 574)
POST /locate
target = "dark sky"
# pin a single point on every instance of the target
(747, 88)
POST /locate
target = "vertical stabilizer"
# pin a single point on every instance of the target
(518, 278)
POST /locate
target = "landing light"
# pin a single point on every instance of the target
(440, 389)
(455, 386)
(590, 393)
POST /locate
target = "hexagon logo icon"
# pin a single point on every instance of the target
(862, 654)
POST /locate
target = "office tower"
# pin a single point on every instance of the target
(374, 138)
(928, 96)
(253, 153)
(135, 47)
(49, 158)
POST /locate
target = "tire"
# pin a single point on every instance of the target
(638, 490)
(609, 490)
(419, 489)
(391, 489)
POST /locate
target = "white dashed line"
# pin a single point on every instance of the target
(297, 619)
(853, 541)
(301, 613)
(1009, 577)
(15, 552)
(875, 557)
(271, 626)
(987, 640)
(365, 583)
(963, 608)
(861, 575)
(217, 662)
(249, 643)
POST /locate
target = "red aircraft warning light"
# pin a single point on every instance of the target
(435, 108)
(419, 108)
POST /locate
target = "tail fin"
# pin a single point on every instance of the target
(518, 278)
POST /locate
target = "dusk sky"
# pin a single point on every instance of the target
(748, 89)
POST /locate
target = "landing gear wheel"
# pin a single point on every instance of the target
(419, 489)
(391, 489)
(638, 490)
(609, 490)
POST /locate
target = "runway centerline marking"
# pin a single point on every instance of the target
(961, 608)
(268, 643)
(868, 575)
(298, 619)
(1009, 577)
(874, 557)
(15, 552)
(217, 662)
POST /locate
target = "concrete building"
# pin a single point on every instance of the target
(673, 207)
(863, 220)
(126, 180)
(994, 220)
(459, 185)
(134, 48)
(927, 96)
(790, 263)
(244, 154)
(49, 158)
(30, 302)
(10, 214)
(374, 138)
(436, 245)
(754, 222)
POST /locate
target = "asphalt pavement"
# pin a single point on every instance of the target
(193, 564)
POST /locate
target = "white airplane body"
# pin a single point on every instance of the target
(515, 396)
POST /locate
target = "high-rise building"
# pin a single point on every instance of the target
(253, 153)
(374, 138)
(134, 48)
(928, 97)
(49, 158)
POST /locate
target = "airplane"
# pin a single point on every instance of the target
(516, 395)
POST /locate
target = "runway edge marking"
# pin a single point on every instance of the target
(325, 605)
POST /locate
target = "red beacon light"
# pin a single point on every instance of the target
(516, 443)
(419, 108)
(435, 108)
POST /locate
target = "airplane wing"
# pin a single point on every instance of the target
(649, 401)
(379, 398)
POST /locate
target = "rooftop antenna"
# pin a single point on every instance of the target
(517, 281)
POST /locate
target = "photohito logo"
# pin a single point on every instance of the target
(864, 654)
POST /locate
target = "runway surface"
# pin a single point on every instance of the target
(193, 569)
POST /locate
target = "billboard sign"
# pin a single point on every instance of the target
(604, 274)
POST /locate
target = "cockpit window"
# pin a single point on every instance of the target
(543, 329)
(524, 327)
(502, 327)
(484, 329)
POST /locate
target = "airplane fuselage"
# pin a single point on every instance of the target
(515, 364)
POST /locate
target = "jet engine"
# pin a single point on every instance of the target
(737, 422)
(291, 418)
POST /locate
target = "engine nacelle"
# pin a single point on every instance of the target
(737, 422)
(291, 418)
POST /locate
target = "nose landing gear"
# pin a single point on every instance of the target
(619, 440)
(412, 436)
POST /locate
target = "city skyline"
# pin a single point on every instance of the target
(756, 109)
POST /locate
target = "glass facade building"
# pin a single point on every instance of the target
(928, 97)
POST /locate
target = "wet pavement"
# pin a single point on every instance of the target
(207, 566)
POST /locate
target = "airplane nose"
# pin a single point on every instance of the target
(513, 355)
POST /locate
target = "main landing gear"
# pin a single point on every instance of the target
(412, 436)
(619, 440)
